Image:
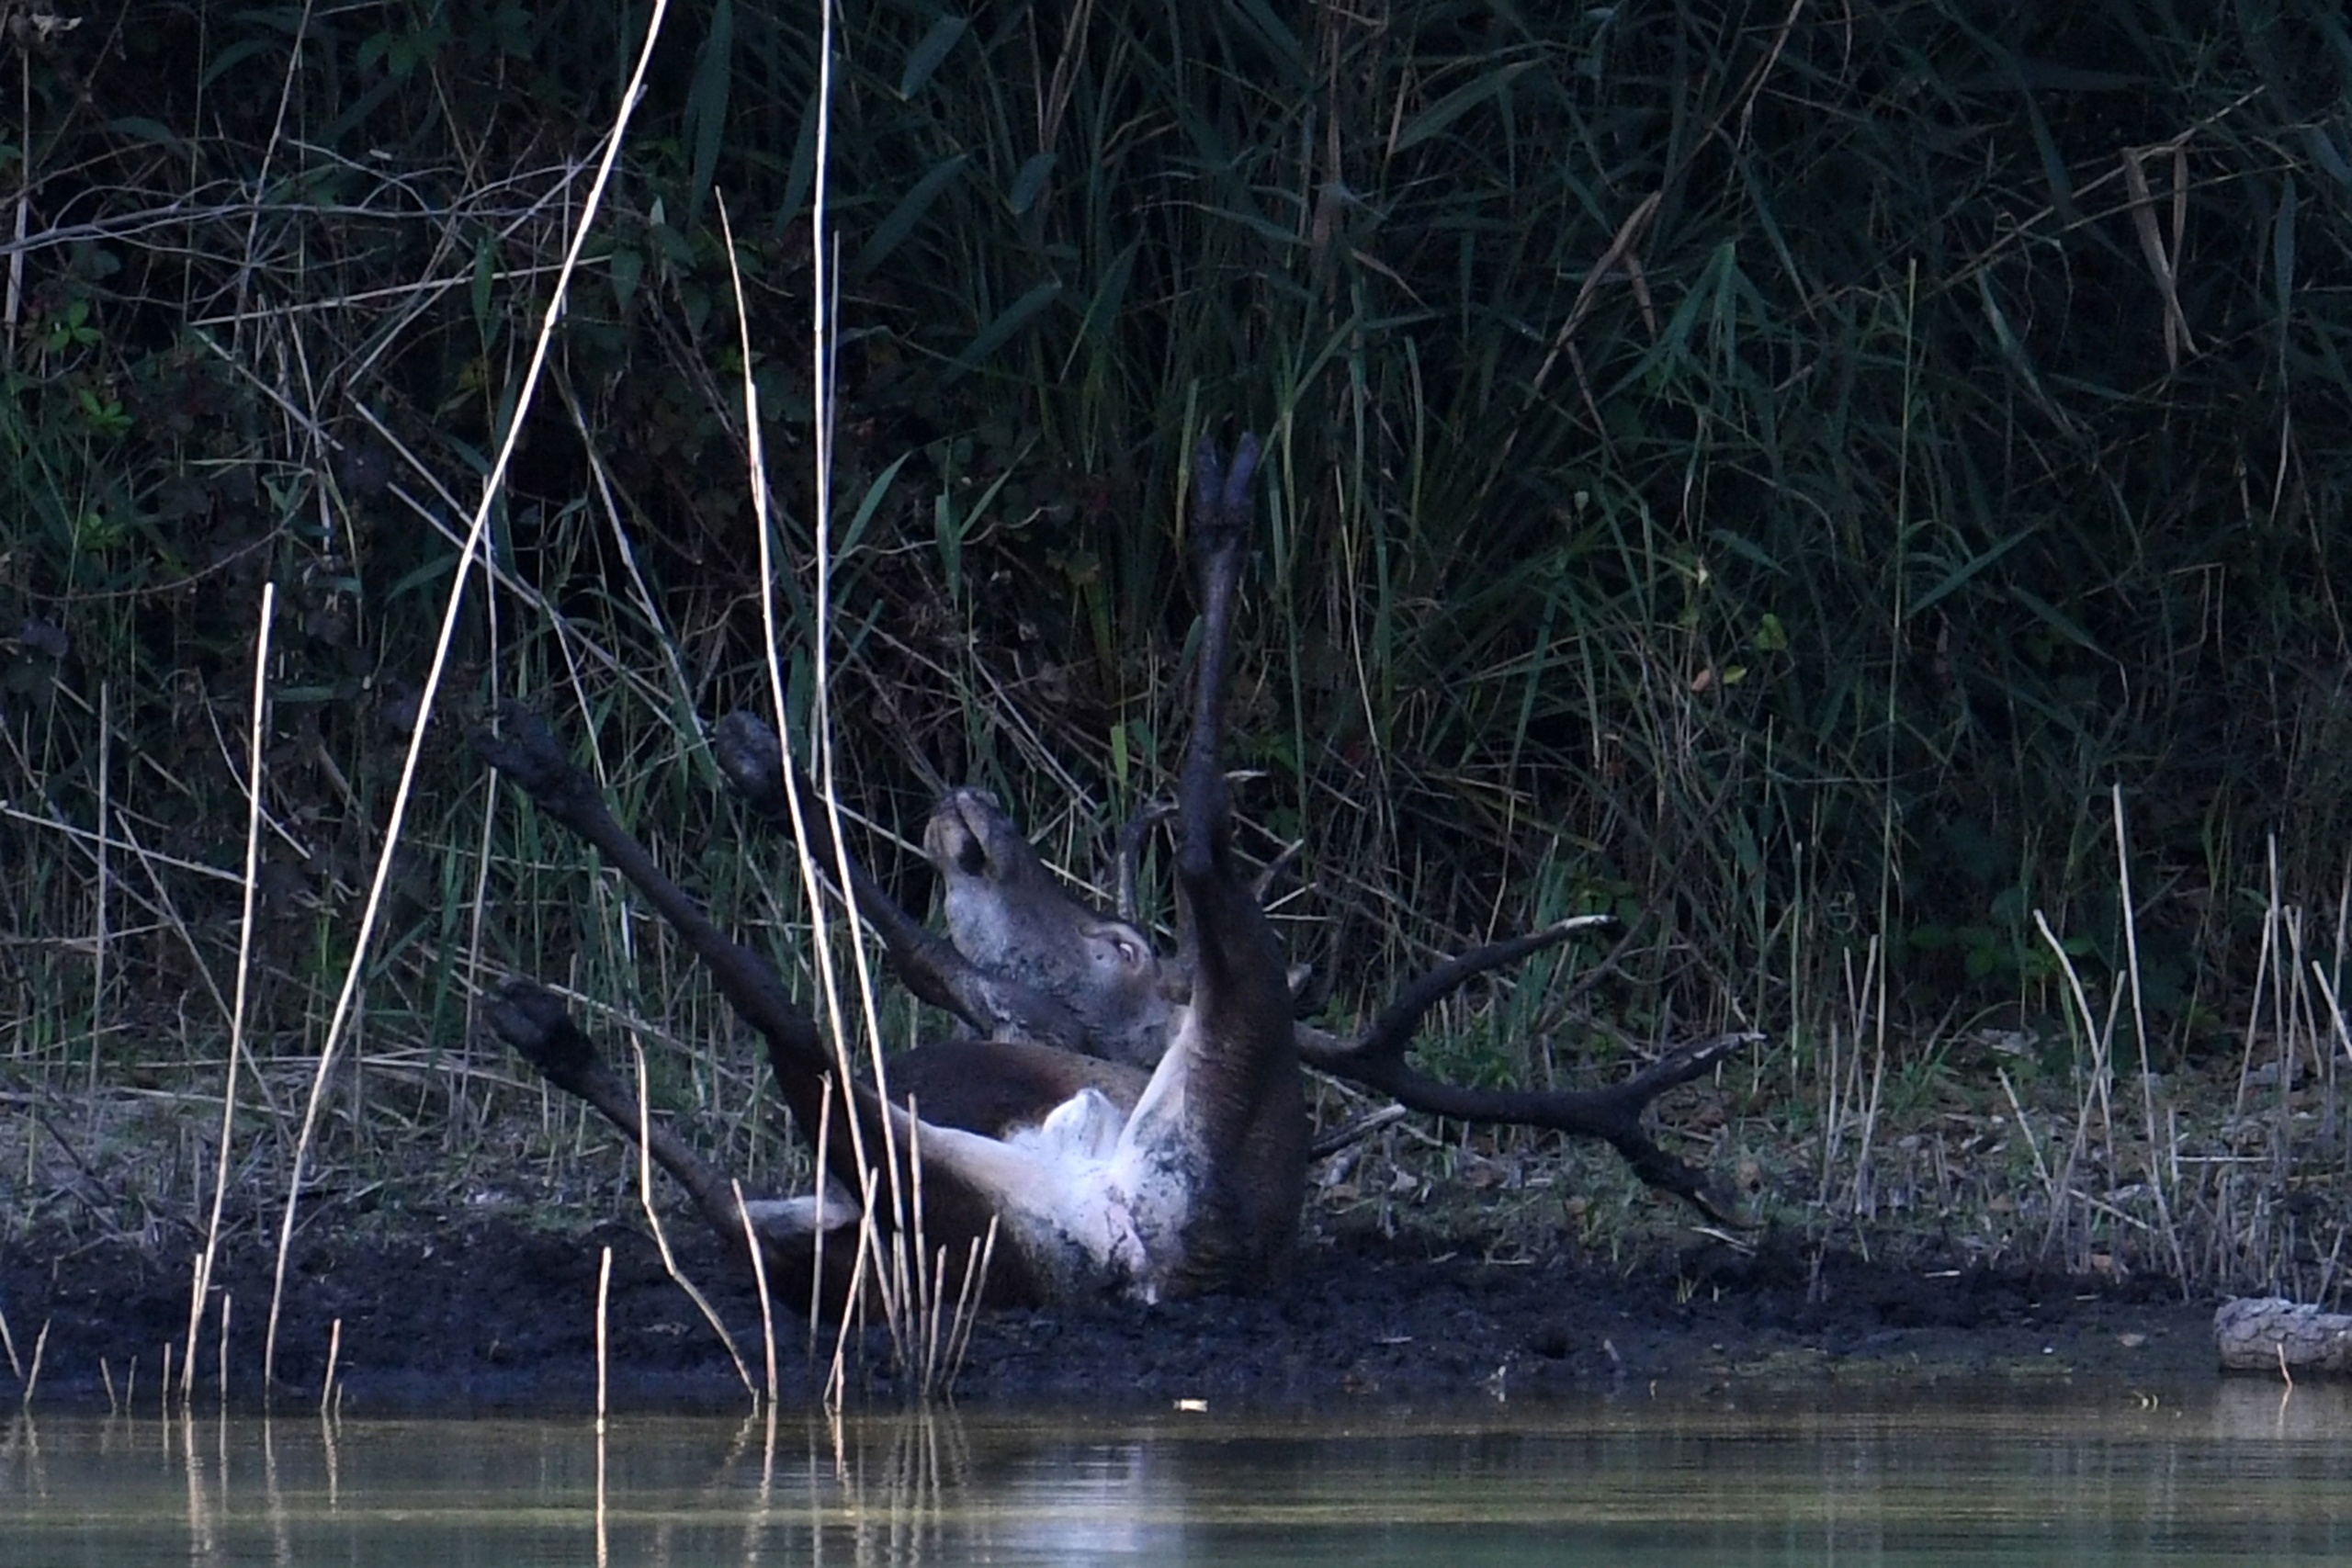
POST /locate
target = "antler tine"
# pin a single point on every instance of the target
(1393, 1028)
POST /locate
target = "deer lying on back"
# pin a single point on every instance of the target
(1130, 1126)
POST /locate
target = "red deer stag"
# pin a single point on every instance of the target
(1132, 1126)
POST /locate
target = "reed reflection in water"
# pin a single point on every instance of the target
(2057, 1476)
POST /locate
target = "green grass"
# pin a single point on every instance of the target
(1728, 465)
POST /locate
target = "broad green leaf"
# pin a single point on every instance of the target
(868, 504)
(909, 212)
(1958, 577)
(707, 105)
(1459, 102)
(626, 267)
(1030, 181)
(930, 52)
(1008, 321)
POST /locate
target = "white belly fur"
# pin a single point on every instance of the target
(1097, 1202)
(1050, 1189)
(1157, 1172)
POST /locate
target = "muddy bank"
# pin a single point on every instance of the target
(496, 1315)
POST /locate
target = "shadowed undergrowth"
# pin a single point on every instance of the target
(1770, 473)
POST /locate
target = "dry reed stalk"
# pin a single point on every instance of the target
(823, 329)
(206, 1257)
(854, 1304)
(577, 638)
(2100, 1040)
(2140, 1031)
(32, 1378)
(604, 1296)
(903, 1330)
(163, 1395)
(896, 1284)
(2334, 1010)
(925, 1305)
(98, 950)
(833, 1430)
(759, 1275)
(106, 1376)
(194, 1321)
(1828, 1108)
(492, 484)
(1839, 1096)
(968, 1305)
(245, 275)
(334, 1355)
(160, 902)
(88, 839)
(8, 1340)
(869, 1246)
(477, 922)
(2298, 1024)
(1878, 1081)
(227, 1303)
(928, 1383)
(2040, 1166)
(2334, 987)
(817, 1279)
(766, 1493)
(604, 1534)
(661, 1238)
(2264, 967)
(666, 643)
(131, 1387)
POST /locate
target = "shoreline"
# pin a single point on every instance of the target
(491, 1316)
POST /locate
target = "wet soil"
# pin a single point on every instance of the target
(480, 1315)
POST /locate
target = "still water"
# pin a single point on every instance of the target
(2068, 1474)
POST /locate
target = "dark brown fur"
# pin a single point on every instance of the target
(1202, 1189)
(1175, 1166)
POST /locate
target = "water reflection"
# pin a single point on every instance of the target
(2059, 1474)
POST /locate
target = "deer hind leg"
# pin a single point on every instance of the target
(1214, 1158)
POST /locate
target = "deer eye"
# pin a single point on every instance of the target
(1123, 946)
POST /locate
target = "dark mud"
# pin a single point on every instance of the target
(495, 1314)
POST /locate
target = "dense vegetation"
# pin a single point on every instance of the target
(1774, 471)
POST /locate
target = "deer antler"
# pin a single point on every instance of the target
(1374, 1059)
(1611, 1114)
